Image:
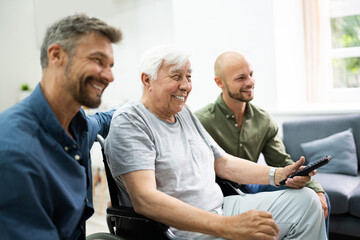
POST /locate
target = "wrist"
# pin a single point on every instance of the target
(222, 229)
(275, 176)
(272, 174)
(279, 176)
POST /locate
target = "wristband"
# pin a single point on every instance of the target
(272, 176)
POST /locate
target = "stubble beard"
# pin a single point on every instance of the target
(240, 96)
(81, 94)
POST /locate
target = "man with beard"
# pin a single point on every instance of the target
(45, 140)
(243, 129)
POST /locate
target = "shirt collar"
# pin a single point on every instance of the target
(49, 121)
(222, 105)
(249, 112)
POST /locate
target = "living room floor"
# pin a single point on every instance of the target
(101, 197)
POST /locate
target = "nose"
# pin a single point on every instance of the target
(250, 80)
(185, 84)
(107, 74)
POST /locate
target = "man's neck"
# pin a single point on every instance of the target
(62, 104)
(170, 118)
(237, 108)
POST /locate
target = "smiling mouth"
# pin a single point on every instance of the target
(182, 98)
(97, 87)
(247, 91)
(97, 84)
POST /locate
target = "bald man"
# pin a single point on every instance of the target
(243, 129)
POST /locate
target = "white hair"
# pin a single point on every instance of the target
(152, 59)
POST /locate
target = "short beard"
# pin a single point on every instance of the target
(238, 96)
(82, 95)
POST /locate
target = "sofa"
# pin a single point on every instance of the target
(339, 136)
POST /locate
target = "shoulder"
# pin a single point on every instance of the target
(18, 136)
(134, 110)
(187, 113)
(206, 113)
(258, 111)
(133, 116)
(18, 124)
(262, 116)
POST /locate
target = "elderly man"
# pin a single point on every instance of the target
(45, 183)
(243, 129)
(160, 153)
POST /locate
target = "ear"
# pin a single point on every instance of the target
(145, 79)
(219, 82)
(56, 54)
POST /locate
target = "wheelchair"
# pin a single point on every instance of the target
(125, 224)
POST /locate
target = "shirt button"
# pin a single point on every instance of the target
(232, 116)
(236, 125)
(66, 148)
(240, 144)
(86, 200)
(227, 116)
(77, 157)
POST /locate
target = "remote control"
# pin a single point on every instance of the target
(309, 168)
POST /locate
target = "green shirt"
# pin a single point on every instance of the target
(258, 134)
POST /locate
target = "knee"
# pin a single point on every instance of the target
(307, 197)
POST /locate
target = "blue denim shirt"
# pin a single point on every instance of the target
(45, 175)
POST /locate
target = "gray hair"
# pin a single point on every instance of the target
(68, 30)
(154, 57)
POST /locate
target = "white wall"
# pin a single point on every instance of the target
(144, 23)
(19, 58)
(23, 23)
(290, 54)
(208, 28)
(205, 28)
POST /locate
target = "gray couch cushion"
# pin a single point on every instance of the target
(339, 188)
(312, 128)
(341, 146)
(354, 203)
(345, 224)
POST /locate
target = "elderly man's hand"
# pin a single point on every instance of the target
(298, 181)
(253, 224)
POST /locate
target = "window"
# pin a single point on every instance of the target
(345, 39)
(332, 47)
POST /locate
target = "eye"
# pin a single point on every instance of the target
(188, 77)
(98, 61)
(176, 77)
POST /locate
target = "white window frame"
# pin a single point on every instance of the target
(337, 9)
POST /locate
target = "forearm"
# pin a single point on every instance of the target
(241, 170)
(173, 212)
(99, 123)
(245, 172)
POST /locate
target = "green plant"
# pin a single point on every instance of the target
(25, 87)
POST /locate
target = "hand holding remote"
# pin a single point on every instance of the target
(284, 172)
(311, 167)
